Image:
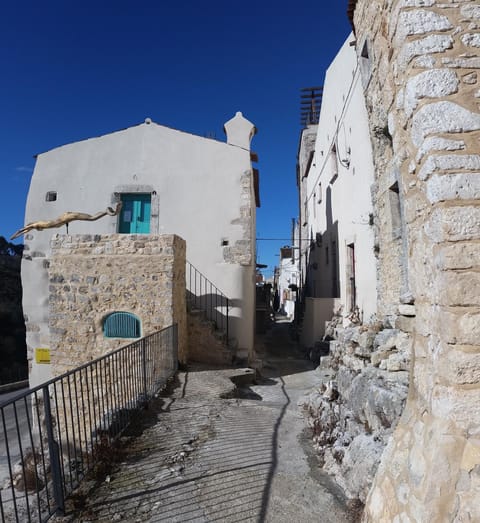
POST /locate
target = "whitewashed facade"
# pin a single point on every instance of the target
(288, 281)
(336, 210)
(171, 182)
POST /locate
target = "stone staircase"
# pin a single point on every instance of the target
(206, 343)
(208, 321)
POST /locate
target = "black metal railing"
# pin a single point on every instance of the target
(53, 434)
(202, 294)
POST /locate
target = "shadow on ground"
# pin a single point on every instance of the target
(198, 457)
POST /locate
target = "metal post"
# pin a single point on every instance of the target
(175, 347)
(227, 322)
(144, 369)
(54, 455)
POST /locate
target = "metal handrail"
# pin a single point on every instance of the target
(52, 434)
(204, 295)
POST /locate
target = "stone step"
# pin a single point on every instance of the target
(207, 343)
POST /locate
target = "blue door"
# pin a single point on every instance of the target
(135, 214)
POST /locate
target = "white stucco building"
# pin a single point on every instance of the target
(336, 208)
(169, 181)
(288, 280)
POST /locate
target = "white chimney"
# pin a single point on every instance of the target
(239, 131)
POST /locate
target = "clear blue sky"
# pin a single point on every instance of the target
(72, 70)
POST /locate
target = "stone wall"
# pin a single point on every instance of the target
(206, 344)
(241, 251)
(421, 63)
(92, 276)
(354, 414)
(374, 51)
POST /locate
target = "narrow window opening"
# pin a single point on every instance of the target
(335, 287)
(364, 53)
(365, 63)
(333, 164)
(395, 211)
(352, 288)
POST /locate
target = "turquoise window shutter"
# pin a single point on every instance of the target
(121, 325)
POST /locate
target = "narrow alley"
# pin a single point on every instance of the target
(211, 450)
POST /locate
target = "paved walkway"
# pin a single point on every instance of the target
(204, 455)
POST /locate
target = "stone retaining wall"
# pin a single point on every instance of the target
(353, 416)
(94, 275)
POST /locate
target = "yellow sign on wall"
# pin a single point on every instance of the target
(42, 355)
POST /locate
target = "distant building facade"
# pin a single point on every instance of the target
(287, 282)
(339, 266)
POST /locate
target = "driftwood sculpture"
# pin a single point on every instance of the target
(65, 219)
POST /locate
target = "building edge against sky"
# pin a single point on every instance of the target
(335, 178)
(201, 189)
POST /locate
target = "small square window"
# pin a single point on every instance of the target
(51, 196)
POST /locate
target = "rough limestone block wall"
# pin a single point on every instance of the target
(374, 52)
(353, 416)
(430, 471)
(241, 252)
(205, 344)
(94, 275)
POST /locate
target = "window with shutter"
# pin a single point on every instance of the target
(135, 214)
(121, 325)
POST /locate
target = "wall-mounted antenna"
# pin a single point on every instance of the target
(310, 103)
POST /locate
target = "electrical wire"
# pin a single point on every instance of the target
(348, 99)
